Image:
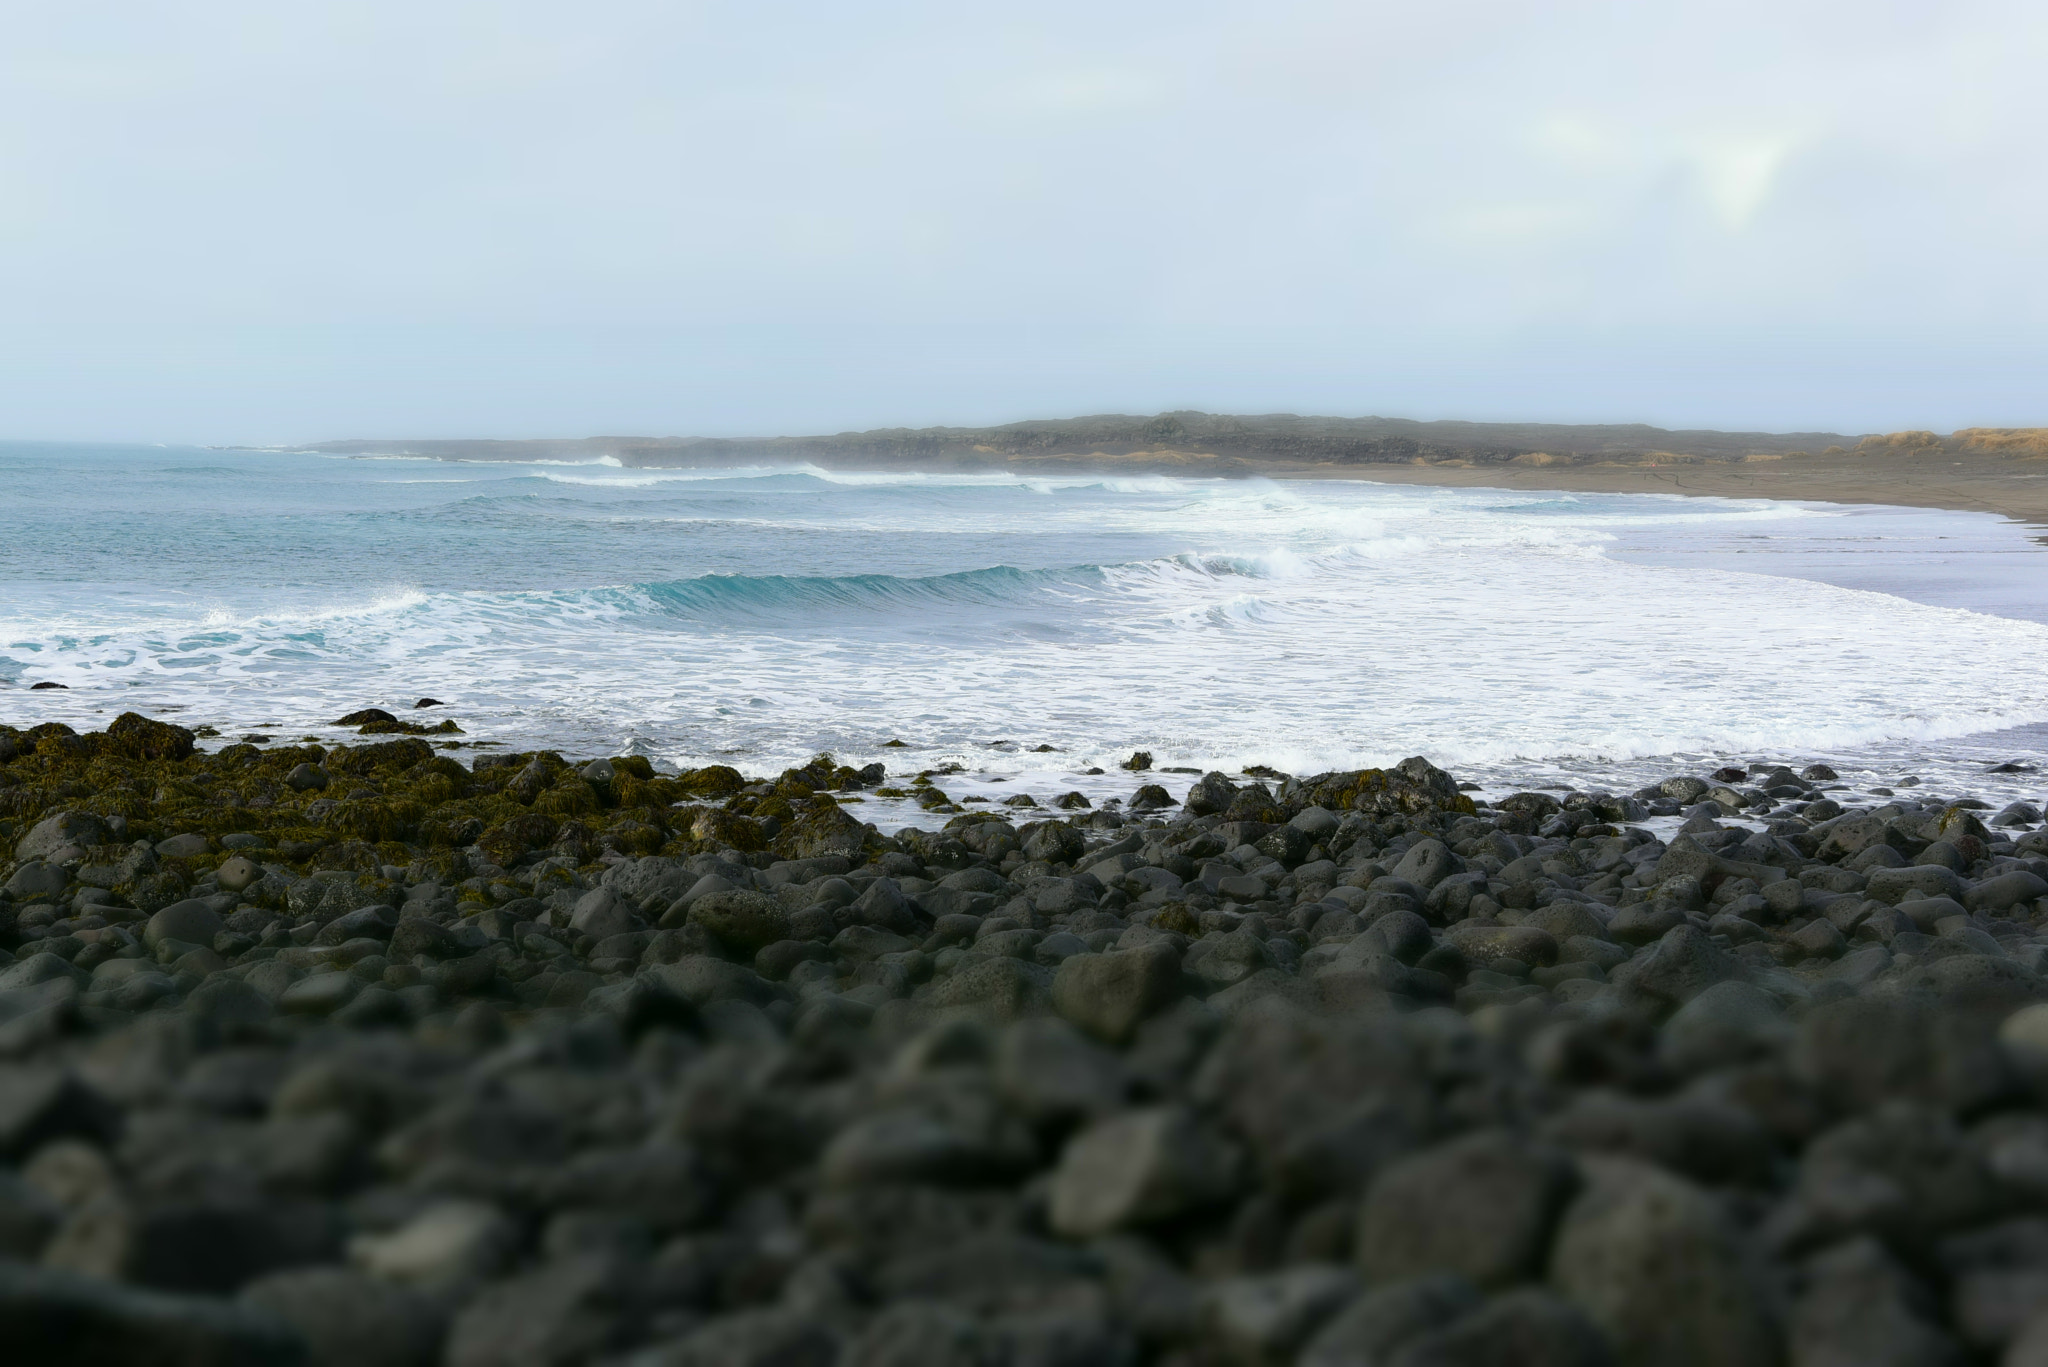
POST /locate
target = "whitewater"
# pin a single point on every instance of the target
(758, 616)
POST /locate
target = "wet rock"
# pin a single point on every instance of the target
(421, 935)
(1264, 1318)
(991, 1273)
(1211, 794)
(1227, 959)
(928, 1335)
(1481, 1207)
(191, 921)
(1319, 823)
(1001, 989)
(1902, 1172)
(238, 873)
(1915, 881)
(451, 1244)
(373, 922)
(320, 994)
(1724, 1024)
(1644, 923)
(1527, 1328)
(1384, 1318)
(664, 1186)
(779, 1338)
(489, 1129)
(1864, 1051)
(1427, 863)
(1998, 1279)
(65, 836)
(50, 1316)
(601, 914)
(29, 1215)
(39, 1103)
(345, 1318)
(702, 981)
(564, 1312)
(1696, 1135)
(1136, 1168)
(1655, 1263)
(1053, 842)
(1676, 969)
(2023, 1036)
(1859, 1308)
(36, 880)
(187, 846)
(198, 1246)
(883, 904)
(1324, 1105)
(2003, 892)
(963, 1138)
(747, 921)
(1527, 944)
(1050, 1073)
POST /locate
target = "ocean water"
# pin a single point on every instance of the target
(758, 616)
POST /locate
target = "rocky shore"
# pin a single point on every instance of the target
(357, 1054)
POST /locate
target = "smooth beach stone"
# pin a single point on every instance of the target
(1480, 1207)
(319, 994)
(1137, 1168)
(61, 838)
(35, 880)
(237, 873)
(1107, 995)
(191, 921)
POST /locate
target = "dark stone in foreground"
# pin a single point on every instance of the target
(49, 1317)
(388, 1059)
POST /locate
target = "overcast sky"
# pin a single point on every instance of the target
(255, 222)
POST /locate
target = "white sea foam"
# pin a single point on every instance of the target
(760, 615)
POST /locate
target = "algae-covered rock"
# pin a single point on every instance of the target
(570, 797)
(713, 780)
(747, 921)
(385, 755)
(822, 828)
(137, 737)
(729, 829)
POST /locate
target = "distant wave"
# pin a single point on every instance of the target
(725, 594)
(991, 586)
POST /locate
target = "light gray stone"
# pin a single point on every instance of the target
(1107, 995)
(450, 1244)
(1139, 1167)
(61, 838)
(191, 921)
(1266, 1317)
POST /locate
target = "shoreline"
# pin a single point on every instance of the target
(2001, 470)
(500, 1054)
(2014, 487)
(2003, 487)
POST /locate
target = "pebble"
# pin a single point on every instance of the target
(541, 1061)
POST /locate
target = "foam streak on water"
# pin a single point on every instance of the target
(757, 616)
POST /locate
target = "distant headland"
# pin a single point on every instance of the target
(1993, 469)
